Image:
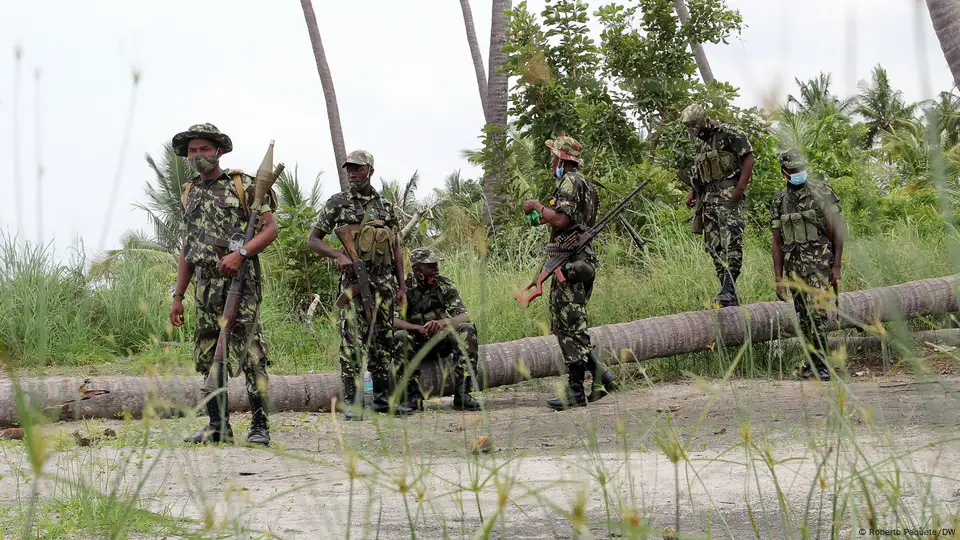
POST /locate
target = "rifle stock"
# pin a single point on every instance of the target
(264, 181)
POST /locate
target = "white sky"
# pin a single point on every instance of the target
(404, 79)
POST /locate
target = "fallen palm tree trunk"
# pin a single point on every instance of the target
(502, 363)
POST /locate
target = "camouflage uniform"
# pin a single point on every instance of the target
(362, 341)
(576, 197)
(801, 213)
(718, 163)
(213, 218)
(430, 302)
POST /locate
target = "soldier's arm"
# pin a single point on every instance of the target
(834, 227)
(557, 215)
(740, 145)
(326, 222)
(454, 306)
(184, 271)
(267, 234)
(401, 324)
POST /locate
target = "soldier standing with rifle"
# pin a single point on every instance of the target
(723, 166)
(572, 211)
(808, 244)
(220, 216)
(372, 283)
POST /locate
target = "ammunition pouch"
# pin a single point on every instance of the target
(800, 228)
(375, 247)
(714, 187)
(579, 271)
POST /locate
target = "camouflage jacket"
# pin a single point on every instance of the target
(726, 138)
(576, 197)
(808, 251)
(428, 303)
(213, 217)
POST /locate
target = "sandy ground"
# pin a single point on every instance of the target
(545, 468)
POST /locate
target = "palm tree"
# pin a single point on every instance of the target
(946, 111)
(136, 247)
(497, 90)
(882, 107)
(329, 92)
(945, 15)
(290, 193)
(706, 73)
(817, 99)
(475, 54)
(409, 210)
(165, 197)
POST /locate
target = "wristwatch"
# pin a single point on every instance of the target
(243, 252)
(177, 295)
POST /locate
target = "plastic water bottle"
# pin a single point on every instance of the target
(367, 382)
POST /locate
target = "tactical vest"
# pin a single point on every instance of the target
(716, 163)
(799, 228)
(428, 307)
(375, 242)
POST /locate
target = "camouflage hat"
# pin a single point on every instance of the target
(424, 256)
(201, 131)
(792, 159)
(566, 147)
(693, 114)
(359, 157)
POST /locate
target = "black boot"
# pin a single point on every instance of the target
(381, 398)
(728, 291)
(573, 393)
(462, 399)
(353, 401)
(259, 430)
(604, 381)
(414, 398)
(819, 369)
(218, 429)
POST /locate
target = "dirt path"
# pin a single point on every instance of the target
(547, 467)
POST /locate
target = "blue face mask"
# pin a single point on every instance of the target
(559, 172)
(798, 179)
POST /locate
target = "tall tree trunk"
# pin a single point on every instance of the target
(497, 91)
(329, 92)
(475, 54)
(945, 15)
(705, 72)
(503, 363)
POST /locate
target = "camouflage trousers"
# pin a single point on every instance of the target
(812, 319)
(568, 311)
(723, 225)
(248, 349)
(363, 345)
(461, 346)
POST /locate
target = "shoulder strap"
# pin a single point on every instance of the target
(237, 175)
(187, 186)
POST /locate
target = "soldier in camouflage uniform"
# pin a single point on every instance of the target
(365, 341)
(572, 210)
(808, 245)
(214, 221)
(723, 164)
(433, 303)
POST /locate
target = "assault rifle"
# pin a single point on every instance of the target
(348, 237)
(575, 246)
(264, 182)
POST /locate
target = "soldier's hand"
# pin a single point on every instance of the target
(401, 297)
(422, 330)
(230, 264)
(834, 275)
(344, 263)
(432, 327)
(691, 200)
(176, 312)
(530, 205)
(781, 291)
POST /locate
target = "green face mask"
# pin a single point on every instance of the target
(360, 186)
(204, 164)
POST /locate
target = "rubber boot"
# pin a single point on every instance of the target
(819, 369)
(381, 398)
(353, 401)
(604, 381)
(573, 393)
(462, 399)
(728, 292)
(259, 429)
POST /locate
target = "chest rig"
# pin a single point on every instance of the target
(716, 163)
(801, 226)
(375, 242)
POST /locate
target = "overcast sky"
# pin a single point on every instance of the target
(404, 79)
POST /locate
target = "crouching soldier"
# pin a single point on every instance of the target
(434, 304)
